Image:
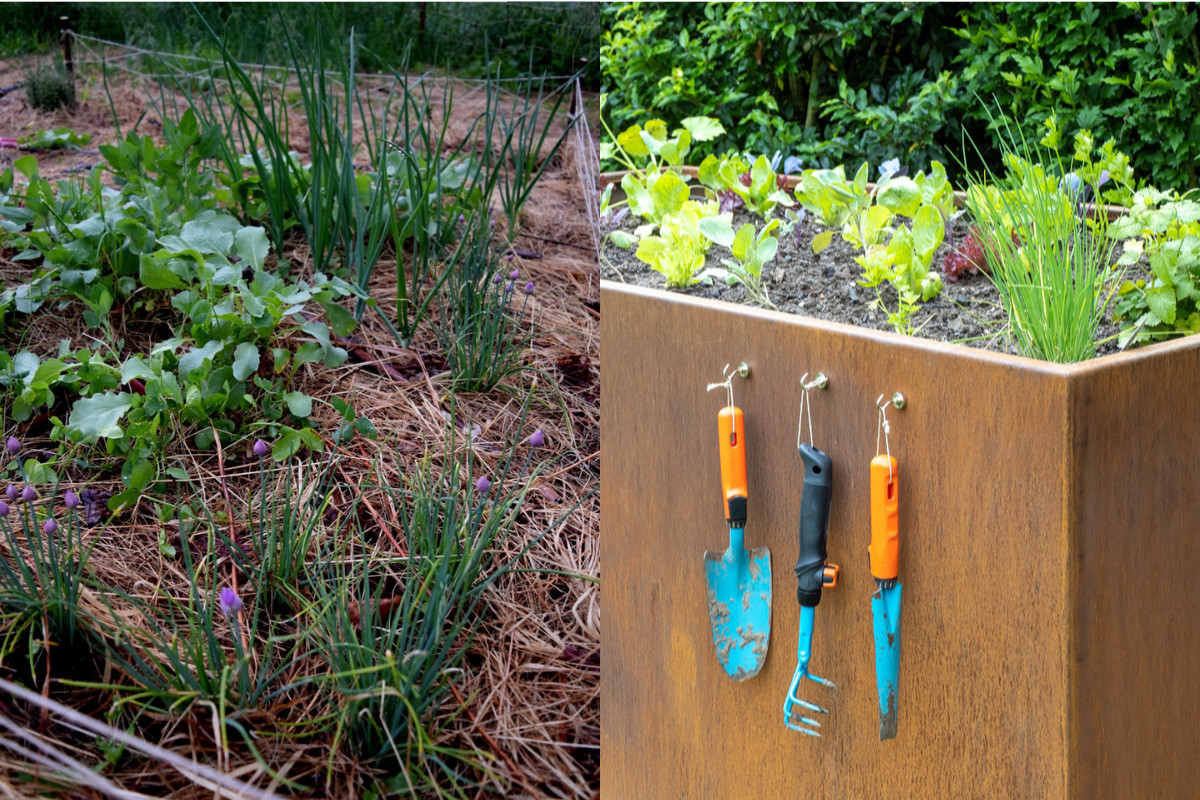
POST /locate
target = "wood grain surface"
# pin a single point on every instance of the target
(1001, 531)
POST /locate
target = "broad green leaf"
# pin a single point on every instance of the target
(245, 361)
(97, 417)
(631, 142)
(742, 242)
(299, 404)
(718, 229)
(821, 241)
(26, 165)
(142, 474)
(623, 239)
(196, 357)
(709, 173)
(703, 129)
(1161, 300)
(287, 445)
(657, 129)
(340, 320)
(928, 231)
(156, 274)
(901, 196)
(767, 248)
(252, 246)
(669, 192)
(135, 368)
(206, 236)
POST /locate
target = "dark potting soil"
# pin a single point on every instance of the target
(825, 286)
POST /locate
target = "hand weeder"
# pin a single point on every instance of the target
(885, 603)
(812, 575)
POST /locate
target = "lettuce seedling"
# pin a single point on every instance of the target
(678, 251)
(751, 252)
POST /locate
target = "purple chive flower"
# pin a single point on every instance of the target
(51, 527)
(496, 280)
(12, 492)
(509, 257)
(4, 509)
(529, 288)
(13, 444)
(230, 602)
(516, 273)
(71, 500)
(483, 485)
(260, 448)
(538, 439)
(492, 224)
(461, 219)
(28, 494)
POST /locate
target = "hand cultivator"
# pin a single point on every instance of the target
(812, 573)
(738, 582)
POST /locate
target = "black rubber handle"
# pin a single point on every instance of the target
(814, 524)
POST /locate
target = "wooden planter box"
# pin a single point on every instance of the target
(1050, 556)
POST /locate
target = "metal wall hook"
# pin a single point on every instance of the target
(819, 382)
(742, 369)
(897, 401)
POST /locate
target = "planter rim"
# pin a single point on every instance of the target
(960, 198)
(1159, 350)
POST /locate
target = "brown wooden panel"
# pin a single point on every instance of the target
(983, 455)
(1136, 567)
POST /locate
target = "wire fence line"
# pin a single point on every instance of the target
(132, 50)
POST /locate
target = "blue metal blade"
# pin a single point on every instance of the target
(739, 605)
(885, 609)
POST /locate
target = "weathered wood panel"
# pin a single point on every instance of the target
(984, 456)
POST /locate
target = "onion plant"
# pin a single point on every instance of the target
(1049, 267)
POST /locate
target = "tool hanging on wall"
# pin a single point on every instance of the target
(738, 581)
(812, 573)
(885, 568)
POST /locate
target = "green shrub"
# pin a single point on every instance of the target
(49, 88)
(842, 83)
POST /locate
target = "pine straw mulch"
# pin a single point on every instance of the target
(531, 679)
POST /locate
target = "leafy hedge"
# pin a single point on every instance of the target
(837, 83)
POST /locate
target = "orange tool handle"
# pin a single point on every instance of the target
(885, 529)
(731, 424)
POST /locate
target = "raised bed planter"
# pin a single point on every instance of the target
(1049, 552)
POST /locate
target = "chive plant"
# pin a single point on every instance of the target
(1049, 267)
(395, 630)
(481, 323)
(42, 575)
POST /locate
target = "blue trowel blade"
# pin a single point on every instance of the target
(739, 608)
(885, 610)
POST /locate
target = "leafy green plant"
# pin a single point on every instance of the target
(1165, 227)
(679, 249)
(653, 187)
(756, 185)
(751, 252)
(56, 138)
(1047, 265)
(827, 194)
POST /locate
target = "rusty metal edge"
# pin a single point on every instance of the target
(1148, 353)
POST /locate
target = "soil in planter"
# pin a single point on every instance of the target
(825, 286)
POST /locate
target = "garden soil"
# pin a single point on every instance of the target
(529, 693)
(825, 286)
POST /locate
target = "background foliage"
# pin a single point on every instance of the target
(526, 38)
(836, 83)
